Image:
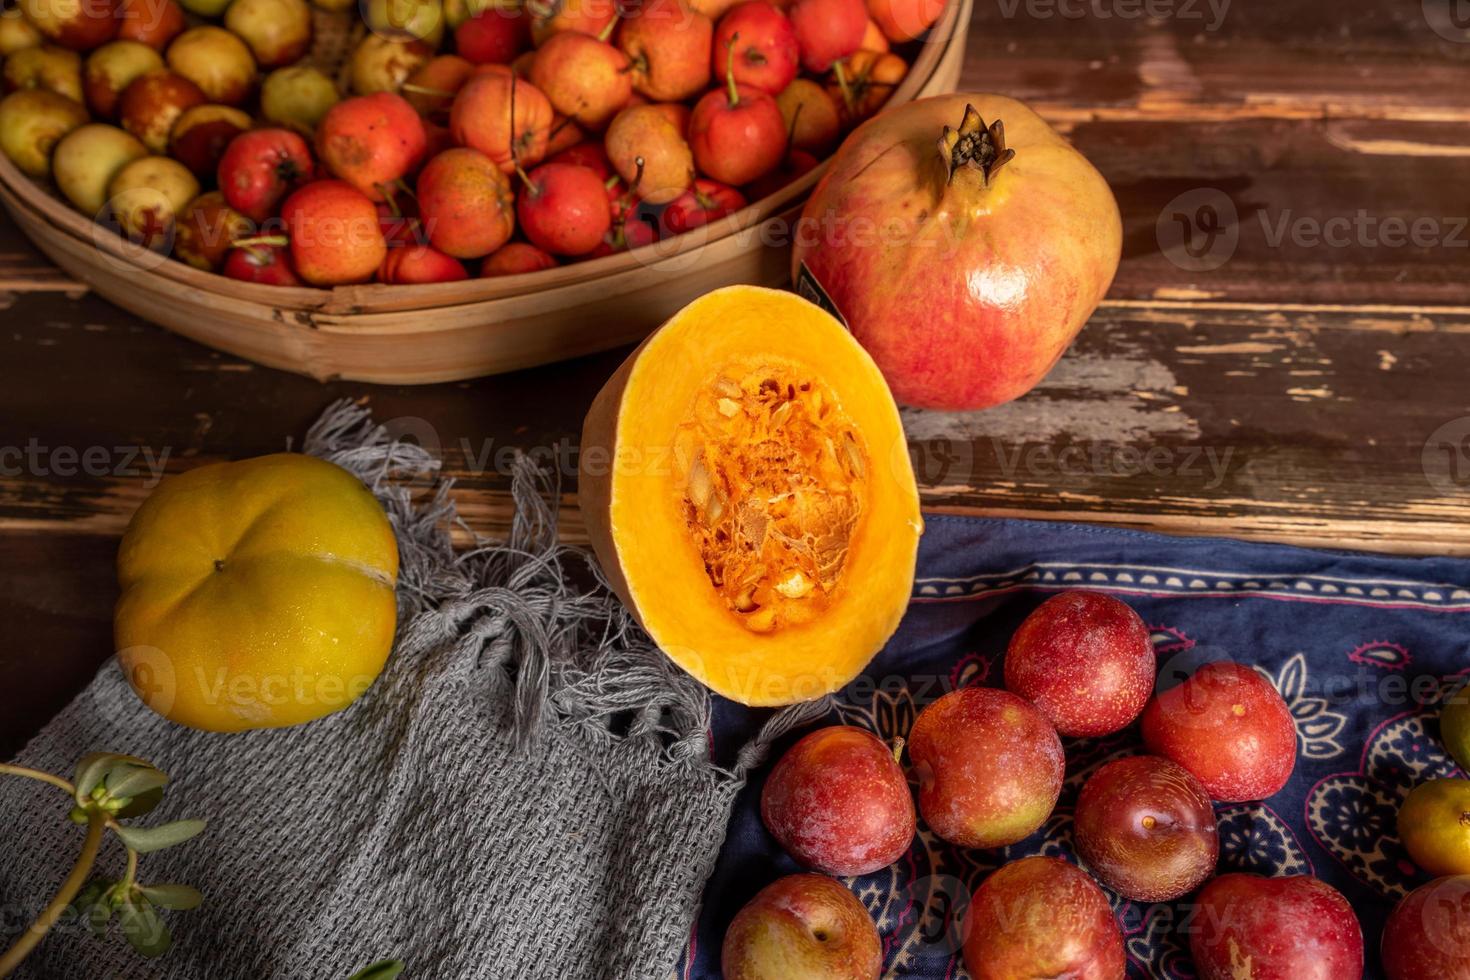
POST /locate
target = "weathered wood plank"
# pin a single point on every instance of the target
(1308, 425)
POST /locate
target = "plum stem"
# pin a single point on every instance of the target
(607, 31)
(975, 145)
(839, 72)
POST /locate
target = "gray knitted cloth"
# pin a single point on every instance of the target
(525, 792)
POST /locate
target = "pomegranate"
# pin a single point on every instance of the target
(965, 278)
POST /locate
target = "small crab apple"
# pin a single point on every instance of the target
(207, 229)
(514, 258)
(563, 208)
(493, 36)
(904, 20)
(839, 803)
(736, 132)
(669, 47)
(551, 17)
(794, 165)
(370, 141)
(504, 117)
(264, 263)
(432, 86)
(465, 203)
(766, 54)
(811, 117)
(259, 168)
(648, 151)
(706, 201)
(863, 82)
(334, 233)
(1085, 660)
(827, 30)
(584, 77)
(202, 134)
(418, 265)
(873, 38)
(586, 154)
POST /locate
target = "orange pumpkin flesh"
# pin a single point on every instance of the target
(747, 489)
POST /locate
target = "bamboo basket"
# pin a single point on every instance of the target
(447, 331)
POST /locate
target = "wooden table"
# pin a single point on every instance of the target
(1313, 386)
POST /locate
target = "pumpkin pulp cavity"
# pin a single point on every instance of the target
(773, 477)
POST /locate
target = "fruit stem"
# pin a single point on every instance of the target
(607, 31)
(975, 145)
(730, 69)
(37, 930)
(791, 129)
(840, 73)
(437, 93)
(898, 744)
(279, 241)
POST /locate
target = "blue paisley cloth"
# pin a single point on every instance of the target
(1364, 649)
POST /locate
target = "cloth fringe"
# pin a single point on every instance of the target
(574, 654)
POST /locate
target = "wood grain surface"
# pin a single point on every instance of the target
(1297, 374)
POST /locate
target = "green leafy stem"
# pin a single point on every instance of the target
(107, 789)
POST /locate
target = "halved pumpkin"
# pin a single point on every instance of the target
(748, 491)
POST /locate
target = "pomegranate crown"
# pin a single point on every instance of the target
(975, 145)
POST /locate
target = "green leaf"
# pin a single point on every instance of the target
(92, 770)
(178, 897)
(91, 905)
(145, 930)
(131, 780)
(141, 804)
(382, 970)
(147, 839)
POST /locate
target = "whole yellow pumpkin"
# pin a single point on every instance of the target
(256, 594)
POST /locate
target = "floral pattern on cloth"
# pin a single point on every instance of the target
(1363, 648)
